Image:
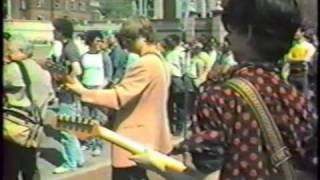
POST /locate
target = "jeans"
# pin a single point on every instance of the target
(71, 151)
(90, 111)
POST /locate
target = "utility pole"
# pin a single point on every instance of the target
(9, 9)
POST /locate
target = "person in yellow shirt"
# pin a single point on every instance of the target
(296, 66)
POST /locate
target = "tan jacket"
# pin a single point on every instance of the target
(141, 101)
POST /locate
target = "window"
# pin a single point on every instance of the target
(73, 5)
(67, 5)
(39, 3)
(82, 6)
(40, 18)
(23, 5)
(57, 3)
(150, 8)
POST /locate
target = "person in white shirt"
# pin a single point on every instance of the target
(95, 76)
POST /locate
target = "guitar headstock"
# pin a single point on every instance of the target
(59, 72)
(82, 128)
(56, 68)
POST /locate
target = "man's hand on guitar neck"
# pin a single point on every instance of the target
(75, 86)
(61, 75)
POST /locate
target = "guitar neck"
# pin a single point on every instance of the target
(120, 140)
(86, 128)
(137, 148)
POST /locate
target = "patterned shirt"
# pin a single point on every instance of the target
(226, 134)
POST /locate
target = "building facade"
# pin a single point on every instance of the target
(50, 9)
(149, 8)
(190, 17)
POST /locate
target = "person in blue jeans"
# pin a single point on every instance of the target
(68, 103)
(96, 74)
(71, 151)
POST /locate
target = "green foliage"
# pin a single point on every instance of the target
(116, 8)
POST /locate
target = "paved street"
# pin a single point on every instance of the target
(97, 168)
(50, 158)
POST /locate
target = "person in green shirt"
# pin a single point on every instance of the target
(132, 60)
(226, 57)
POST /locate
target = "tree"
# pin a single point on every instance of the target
(116, 8)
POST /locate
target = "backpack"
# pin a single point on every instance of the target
(23, 126)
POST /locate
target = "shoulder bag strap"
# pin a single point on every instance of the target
(26, 78)
(280, 153)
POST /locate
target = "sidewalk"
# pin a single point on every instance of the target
(50, 158)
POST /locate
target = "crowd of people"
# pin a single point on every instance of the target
(179, 88)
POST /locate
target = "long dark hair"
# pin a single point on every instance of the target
(170, 42)
(90, 36)
(64, 26)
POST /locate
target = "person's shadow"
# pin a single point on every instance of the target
(52, 155)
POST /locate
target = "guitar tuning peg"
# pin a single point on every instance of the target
(92, 123)
(88, 121)
(74, 119)
(83, 121)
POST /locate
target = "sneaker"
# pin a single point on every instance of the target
(62, 169)
(80, 164)
(96, 152)
(84, 148)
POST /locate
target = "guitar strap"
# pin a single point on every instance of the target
(35, 110)
(280, 155)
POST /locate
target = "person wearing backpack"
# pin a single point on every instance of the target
(68, 104)
(27, 93)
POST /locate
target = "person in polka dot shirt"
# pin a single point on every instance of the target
(225, 133)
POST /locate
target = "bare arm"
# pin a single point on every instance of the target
(132, 85)
(75, 69)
